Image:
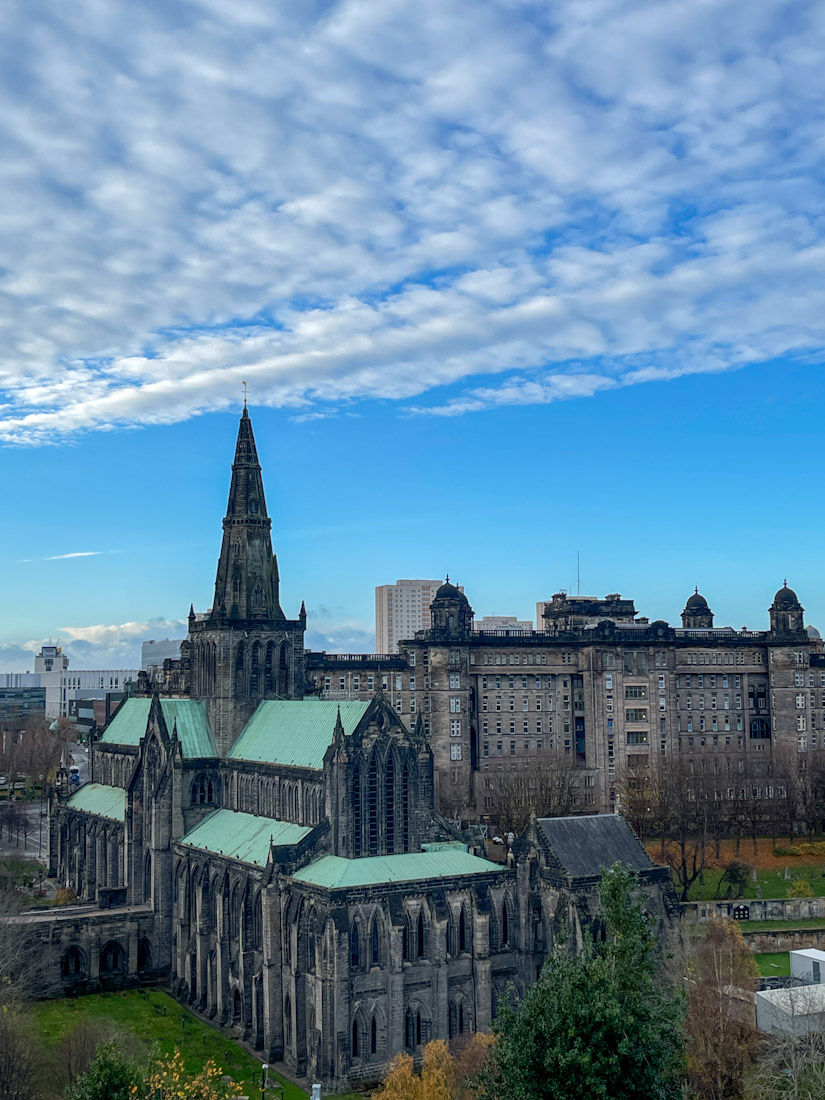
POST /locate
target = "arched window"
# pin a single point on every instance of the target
(462, 931)
(356, 811)
(374, 959)
(420, 936)
(355, 1038)
(288, 1021)
(209, 791)
(255, 670)
(144, 955)
(311, 943)
(373, 1036)
(259, 921)
(112, 958)
(147, 877)
(505, 924)
(240, 670)
(389, 802)
(354, 947)
(74, 964)
(405, 943)
(257, 596)
(236, 548)
(460, 1018)
(372, 804)
(409, 1030)
(405, 807)
(236, 588)
(269, 681)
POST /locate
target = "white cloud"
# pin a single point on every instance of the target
(76, 554)
(345, 201)
(114, 645)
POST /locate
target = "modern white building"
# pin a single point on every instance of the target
(502, 622)
(400, 610)
(808, 965)
(63, 684)
(154, 653)
(19, 680)
(796, 1011)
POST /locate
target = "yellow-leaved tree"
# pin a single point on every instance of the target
(170, 1080)
(442, 1076)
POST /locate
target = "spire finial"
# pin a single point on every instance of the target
(696, 589)
(785, 583)
(245, 393)
(448, 578)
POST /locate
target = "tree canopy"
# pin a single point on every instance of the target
(603, 1024)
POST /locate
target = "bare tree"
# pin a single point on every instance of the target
(548, 787)
(18, 1055)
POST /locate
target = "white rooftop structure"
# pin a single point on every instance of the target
(797, 1011)
(808, 965)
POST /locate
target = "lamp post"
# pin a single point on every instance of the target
(264, 1075)
(40, 835)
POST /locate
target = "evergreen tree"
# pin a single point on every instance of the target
(109, 1077)
(600, 1025)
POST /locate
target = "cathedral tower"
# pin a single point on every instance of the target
(244, 649)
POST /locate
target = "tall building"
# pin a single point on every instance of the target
(63, 684)
(402, 609)
(277, 859)
(154, 653)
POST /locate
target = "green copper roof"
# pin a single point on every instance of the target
(100, 799)
(296, 732)
(187, 715)
(242, 836)
(340, 874)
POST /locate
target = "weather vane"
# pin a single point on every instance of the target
(244, 393)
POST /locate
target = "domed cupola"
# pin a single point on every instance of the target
(697, 615)
(451, 613)
(786, 611)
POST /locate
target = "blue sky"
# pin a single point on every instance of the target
(502, 289)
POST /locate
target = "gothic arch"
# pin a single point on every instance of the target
(269, 672)
(255, 671)
(240, 669)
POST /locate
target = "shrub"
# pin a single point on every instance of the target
(800, 889)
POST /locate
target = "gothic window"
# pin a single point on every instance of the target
(258, 934)
(311, 942)
(147, 878)
(373, 1036)
(375, 956)
(372, 805)
(288, 1021)
(254, 671)
(253, 506)
(257, 596)
(74, 963)
(356, 812)
(236, 588)
(236, 548)
(112, 958)
(354, 947)
(461, 1019)
(355, 1038)
(505, 924)
(209, 791)
(462, 931)
(419, 940)
(269, 683)
(240, 670)
(389, 800)
(405, 806)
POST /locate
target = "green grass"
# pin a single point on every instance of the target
(773, 884)
(812, 924)
(142, 1014)
(774, 965)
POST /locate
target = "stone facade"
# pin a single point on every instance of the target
(278, 860)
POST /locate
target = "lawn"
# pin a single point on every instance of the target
(810, 924)
(804, 859)
(775, 965)
(161, 1023)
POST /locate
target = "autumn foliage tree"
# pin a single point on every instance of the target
(443, 1076)
(721, 974)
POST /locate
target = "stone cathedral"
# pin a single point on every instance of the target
(277, 861)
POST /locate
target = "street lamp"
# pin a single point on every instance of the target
(40, 835)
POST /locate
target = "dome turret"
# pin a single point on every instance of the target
(786, 611)
(697, 615)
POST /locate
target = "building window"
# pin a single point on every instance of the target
(412, 683)
(455, 681)
(608, 681)
(455, 752)
(635, 691)
(455, 705)
(455, 727)
(371, 683)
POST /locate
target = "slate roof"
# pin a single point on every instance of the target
(243, 836)
(337, 873)
(187, 715)
(294, 731)
(100, 799)
(584, 845)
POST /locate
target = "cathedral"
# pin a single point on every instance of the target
(276, 858)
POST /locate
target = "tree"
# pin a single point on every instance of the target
(437, 1080)
(169, 1078)
(721, 972)
(737, 875)
(18, 1055)
(109, 1077)
(603, 1024)
(547, 788)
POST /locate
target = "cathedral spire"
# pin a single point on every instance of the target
(247, 581)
